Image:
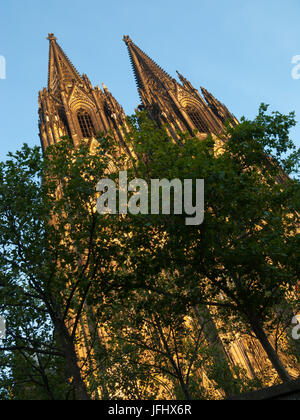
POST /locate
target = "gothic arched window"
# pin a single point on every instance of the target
(197, 119)
(86, 123)
(64, 120)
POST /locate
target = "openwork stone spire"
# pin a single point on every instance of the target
(180, 106)
(145, 69)
(61, 70)
(70, 106)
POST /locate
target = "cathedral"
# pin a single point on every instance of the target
(71, 106)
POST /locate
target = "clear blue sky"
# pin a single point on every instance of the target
(240, 50)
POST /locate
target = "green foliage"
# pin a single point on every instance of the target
(127, 291)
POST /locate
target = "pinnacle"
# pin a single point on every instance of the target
(145, 63)
(127, 39)
(51, 37)
(181, 77)
(60, 64)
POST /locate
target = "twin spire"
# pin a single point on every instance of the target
(158, 90)
(61, 70)
(144, 67)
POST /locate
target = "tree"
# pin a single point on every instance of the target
(113, 306)
(244, 258)
(47, 244)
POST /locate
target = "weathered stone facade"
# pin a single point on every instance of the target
(71, 106)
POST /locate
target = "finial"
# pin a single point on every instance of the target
(104, 86)
(126, 39)
(51, 37)
(181, 77)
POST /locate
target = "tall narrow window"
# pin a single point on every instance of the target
(197, 119)
(64, 120)
(86, 123)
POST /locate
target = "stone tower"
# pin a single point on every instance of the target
(70, 106)
(180, 106)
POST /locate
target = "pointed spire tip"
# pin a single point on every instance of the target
(51, 37)
(127, 39)
(179, 75)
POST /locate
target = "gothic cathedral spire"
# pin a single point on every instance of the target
(61, 70)
(70, 106)
(179, 105)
